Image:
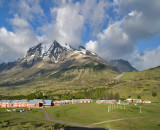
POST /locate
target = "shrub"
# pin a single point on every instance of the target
(154, 94)
(4, 124)
(138, 97)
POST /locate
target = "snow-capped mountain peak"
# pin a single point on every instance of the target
(53, 52)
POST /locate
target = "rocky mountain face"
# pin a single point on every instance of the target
(38, 53)
(7, 66)
(122, 65)
(55, 56)
(61, 57)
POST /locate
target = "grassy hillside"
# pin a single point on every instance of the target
(92, 80)
(66, 80)
(151, 74)
(145, 84)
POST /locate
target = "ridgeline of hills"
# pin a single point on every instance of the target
(57, 71)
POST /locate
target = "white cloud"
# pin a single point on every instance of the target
(114, 43)
(19, 22)
(29, 9)
(95, 14)
(149, 59)
(18, 42)
(92, 45)
(132, 13)
(69, 21)
(15, 43)
(68, 25)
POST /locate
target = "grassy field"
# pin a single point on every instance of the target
(36, 113)
(15, 121)
(88, 114)
(94, 115)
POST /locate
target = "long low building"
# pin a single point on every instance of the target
(35, 103)
(63, 102)
(85, 101)
(106, 101)
(39, 103)
(146, 101)
(136, 101)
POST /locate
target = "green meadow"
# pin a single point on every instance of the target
(97, 115)
(15, 121)
(36, 113)
(90, 115)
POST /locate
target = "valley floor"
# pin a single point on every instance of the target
(89, 115)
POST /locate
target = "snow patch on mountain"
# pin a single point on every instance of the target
(68, 47)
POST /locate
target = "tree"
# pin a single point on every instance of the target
(110, 96)
(154, 94)
(138, 97)
(116, 96)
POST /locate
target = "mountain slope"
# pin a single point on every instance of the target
(144, 84)
(122, 65)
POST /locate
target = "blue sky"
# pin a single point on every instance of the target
(114, 29)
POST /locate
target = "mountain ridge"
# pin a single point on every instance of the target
(42, 62)
(122, 65)
(53, 53)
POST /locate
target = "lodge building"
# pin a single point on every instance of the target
(106, 101)
(35, 103)
(39, 103)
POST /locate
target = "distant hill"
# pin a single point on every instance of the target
(145, 84)
(122, 65)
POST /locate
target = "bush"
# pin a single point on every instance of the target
(4, 123)
(138, 97)
(154, 94)
(116, 96)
